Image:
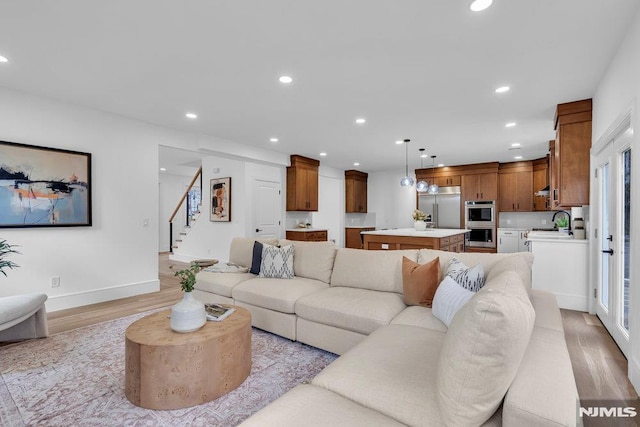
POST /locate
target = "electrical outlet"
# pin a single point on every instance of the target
(55, 282)
(544, 222)
(508, 222)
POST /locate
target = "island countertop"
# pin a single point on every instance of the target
(437, 233)
(445, 239)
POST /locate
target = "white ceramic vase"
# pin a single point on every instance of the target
(188, 315)
(420, 225)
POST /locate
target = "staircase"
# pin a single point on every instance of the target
(191, 200)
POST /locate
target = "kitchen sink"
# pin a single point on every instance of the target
(545, 234)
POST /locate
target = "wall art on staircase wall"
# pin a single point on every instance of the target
(221, 200)
(44, 187)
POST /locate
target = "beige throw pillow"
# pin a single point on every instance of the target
(420, 281)
(482, 351)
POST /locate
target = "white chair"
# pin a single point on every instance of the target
(23, 317)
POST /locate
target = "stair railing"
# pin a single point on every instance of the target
(180, 203)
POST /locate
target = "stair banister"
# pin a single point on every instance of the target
(182, 199)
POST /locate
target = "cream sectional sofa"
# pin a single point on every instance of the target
(502, 361)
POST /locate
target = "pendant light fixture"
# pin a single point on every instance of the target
(433, 188)
(407, 181)
(422, 186)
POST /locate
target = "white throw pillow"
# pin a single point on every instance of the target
(277, 262)
(449, 298)
(472, 279)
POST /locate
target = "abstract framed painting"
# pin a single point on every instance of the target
(44, 187)
(220, 200)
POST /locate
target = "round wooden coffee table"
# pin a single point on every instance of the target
(169, 370)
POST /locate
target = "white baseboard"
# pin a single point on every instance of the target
(77, 299)
(572, 302)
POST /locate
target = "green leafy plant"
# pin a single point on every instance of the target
(562, 222)
(418, 215)
(6, 249)
(187, 277)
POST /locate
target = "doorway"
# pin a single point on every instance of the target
(267, 209)
(612, 234)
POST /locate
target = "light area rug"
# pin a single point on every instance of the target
(76, 378)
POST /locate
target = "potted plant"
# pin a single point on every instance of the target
(189, 314)
(563, 224)
(419, 220)
(5, 250)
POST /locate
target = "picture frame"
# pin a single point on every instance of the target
(44, 187)
(220, 200)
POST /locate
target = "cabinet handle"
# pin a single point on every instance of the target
(513, 206)
(518, 205)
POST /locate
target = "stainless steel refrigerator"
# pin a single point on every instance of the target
(443, 207)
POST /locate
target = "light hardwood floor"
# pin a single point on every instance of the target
(598, 364)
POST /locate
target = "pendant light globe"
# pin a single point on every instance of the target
(407, 181)
(422, 186)
(433, 188)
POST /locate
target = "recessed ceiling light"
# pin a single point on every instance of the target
(3, 59)
(517, 157)
(361, 121)
(399, 142)
(191, 116)
(479, 5)
(285, 79)
(163, 169)
(515, 144)
(273, 139)
(510, 125)
(503, 89)
(323, 154)
(356, 164)
(440, 165)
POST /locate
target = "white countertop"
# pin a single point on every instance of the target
(552, 240)
(306, 229)
(359, 226)
(438, 233)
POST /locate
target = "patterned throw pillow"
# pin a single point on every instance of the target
(277, 262)
(472, 279)
(449, 298)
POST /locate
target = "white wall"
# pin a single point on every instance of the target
(617, 93)
(115, 257)
(208, 239)
(391, 203)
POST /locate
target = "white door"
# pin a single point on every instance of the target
(612, 236)
(267, 209)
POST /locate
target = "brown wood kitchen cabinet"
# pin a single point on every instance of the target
(516, 187)
(483, 186)
(447, 181)
(302, 184)
(307, 236)
(540, 182)
(355, 183)
(570, 172)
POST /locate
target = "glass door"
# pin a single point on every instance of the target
(612, 236)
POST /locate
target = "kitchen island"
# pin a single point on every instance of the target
(444, 239)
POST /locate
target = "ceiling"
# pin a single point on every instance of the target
(419, 69)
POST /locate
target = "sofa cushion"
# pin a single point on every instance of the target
(313, 406)
(375, 270)
(420, 281)
(470, 278)
(419, 316)
(313, 260)
(450, 298)
(469, 258)
(276, 294)
(256, 259)
(357, 310)
(241, 250)
(220, 283)
(392, 371)
(482, 351)
(547, 311)
(519, 263)
(277, 262)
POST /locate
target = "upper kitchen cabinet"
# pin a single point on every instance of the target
(516, 187)
(540, 183)
(480, 182)
(355, 183)
(302, 184)
(570, 172)
(447, 181)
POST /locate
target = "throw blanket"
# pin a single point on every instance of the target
(227, 267)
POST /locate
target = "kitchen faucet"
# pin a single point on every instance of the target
(553, 219)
